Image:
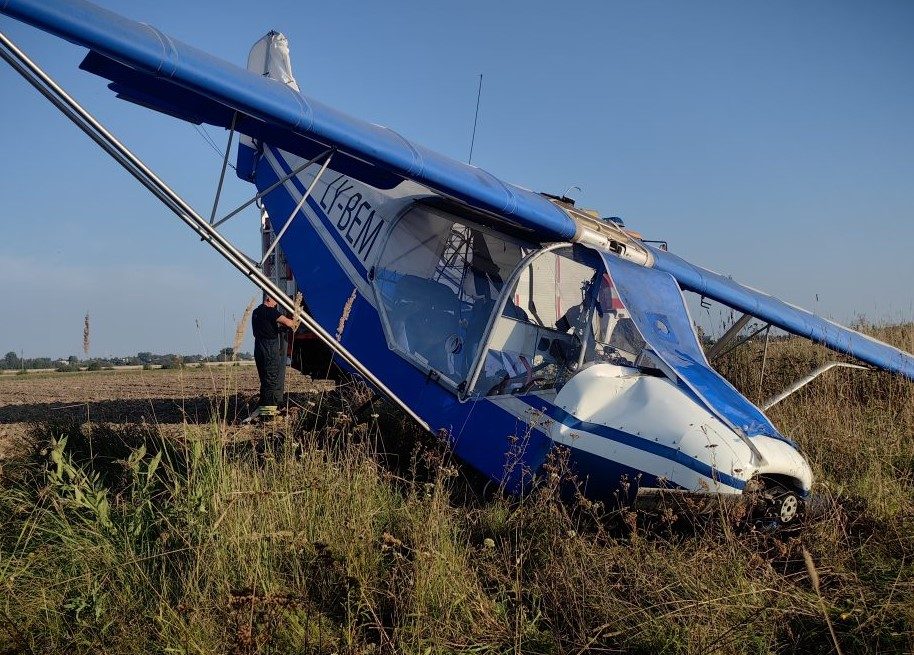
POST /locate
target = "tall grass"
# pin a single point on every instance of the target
(330, 535)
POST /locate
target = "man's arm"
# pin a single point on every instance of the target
(284, 320)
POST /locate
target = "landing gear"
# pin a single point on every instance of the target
(774, 504)
(789, 507)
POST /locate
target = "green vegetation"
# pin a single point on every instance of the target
(173, 361)
(115, 539)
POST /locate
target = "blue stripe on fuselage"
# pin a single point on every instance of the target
(558, 414)
(319, 212)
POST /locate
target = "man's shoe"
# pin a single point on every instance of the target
(268, 410)
(264, 413)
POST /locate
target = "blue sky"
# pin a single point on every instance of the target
(773, 142)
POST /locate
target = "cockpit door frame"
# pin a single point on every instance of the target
(498, 310)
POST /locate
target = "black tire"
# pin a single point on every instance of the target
(778, 505)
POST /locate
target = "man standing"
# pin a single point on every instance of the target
(269, 354)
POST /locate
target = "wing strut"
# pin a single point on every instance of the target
(35, 76)
(806, 379)
(729, 337)
(228, 149)
(298, 207)
(277, 183)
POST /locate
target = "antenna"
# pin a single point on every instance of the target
(475, 120)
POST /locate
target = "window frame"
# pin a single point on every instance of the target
(455, 215)
(507, 290)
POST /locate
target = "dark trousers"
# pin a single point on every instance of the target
(270, 357)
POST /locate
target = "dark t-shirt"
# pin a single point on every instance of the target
(263, 322)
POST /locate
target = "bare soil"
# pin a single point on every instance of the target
(164, 397)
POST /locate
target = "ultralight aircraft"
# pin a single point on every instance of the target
(508, 320)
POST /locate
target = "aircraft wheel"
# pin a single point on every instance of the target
(775, 505)
(789, 507)
(783, 505)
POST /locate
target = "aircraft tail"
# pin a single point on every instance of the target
(270, 57)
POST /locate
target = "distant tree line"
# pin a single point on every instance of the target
(12, 361)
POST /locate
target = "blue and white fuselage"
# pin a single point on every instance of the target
(508, 345)
(618, 421)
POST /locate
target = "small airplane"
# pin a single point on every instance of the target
(508, 320)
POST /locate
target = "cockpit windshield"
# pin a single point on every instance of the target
(613, 335)
(562, 314)
(659, 311)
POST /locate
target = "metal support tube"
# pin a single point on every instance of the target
(802, 382)
(761, 376)
(228, 149)
(746, 339)
(270, 188)
(715, 351)
(33, 74)
(295, 211)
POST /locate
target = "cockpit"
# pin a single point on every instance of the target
(561, 315)
(487, 315)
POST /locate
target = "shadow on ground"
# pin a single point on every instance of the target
(195, 410)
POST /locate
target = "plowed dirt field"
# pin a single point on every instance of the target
(164, 397)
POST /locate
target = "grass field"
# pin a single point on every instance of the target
(160, 525)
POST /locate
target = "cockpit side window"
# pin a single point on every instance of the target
(438, 281)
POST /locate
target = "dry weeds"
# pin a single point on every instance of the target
(343, 533)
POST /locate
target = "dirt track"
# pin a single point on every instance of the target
(165, 397)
